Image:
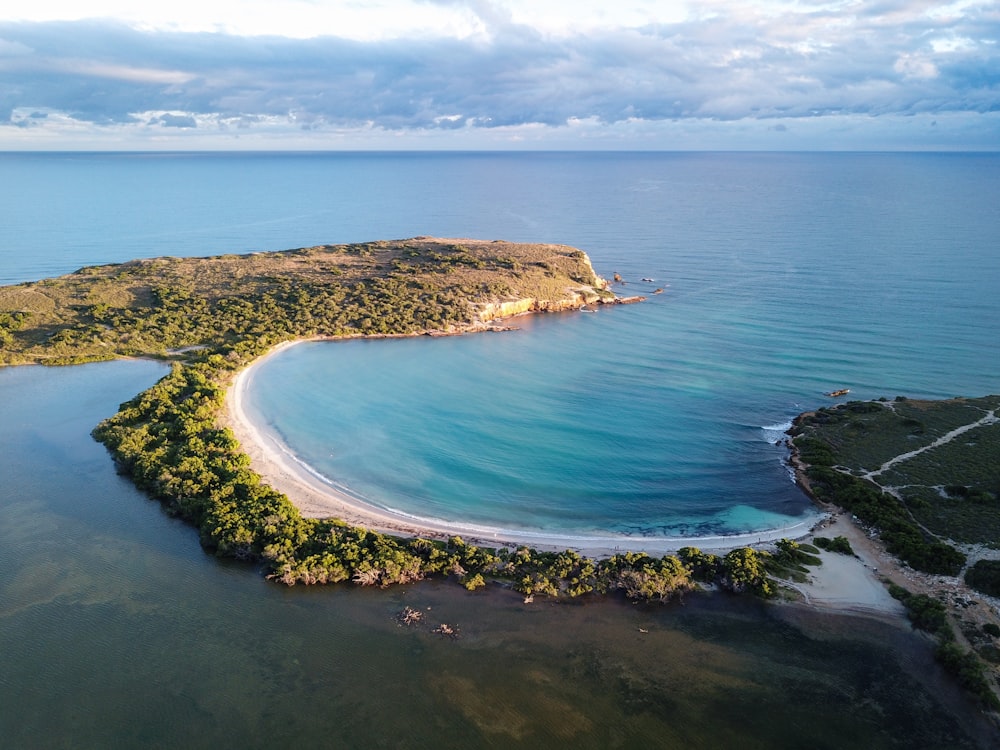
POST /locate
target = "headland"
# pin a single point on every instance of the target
(913, 484)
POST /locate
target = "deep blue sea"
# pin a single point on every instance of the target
(784, 276)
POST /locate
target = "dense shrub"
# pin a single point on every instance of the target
(839, 544)
(984, 576)
(901, 535)
(925, 612)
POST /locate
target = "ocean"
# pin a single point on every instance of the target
(784, 276)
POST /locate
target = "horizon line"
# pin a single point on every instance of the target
(304, 151)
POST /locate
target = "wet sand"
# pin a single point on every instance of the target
(847, 583)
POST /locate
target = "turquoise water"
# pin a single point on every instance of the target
(118, 631)
(785, 277)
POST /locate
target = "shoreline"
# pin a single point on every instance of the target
(850, 584)
(842, 584)
(963, 601)
(316, 497)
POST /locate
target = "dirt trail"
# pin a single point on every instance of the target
(990, 418)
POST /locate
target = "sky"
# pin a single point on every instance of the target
(500, 74)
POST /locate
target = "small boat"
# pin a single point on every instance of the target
(646, 278)
(841, 392)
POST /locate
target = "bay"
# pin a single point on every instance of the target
(789, 274)
(784, 275)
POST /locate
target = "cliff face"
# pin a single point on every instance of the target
(574, 300)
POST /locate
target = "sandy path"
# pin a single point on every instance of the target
(990, 418)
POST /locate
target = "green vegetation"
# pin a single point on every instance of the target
(215, 315)
(970, 519)
(984, 576)
(883, 461)
(792, 560)
(925, 612)
(928, 614)
(839, 544)
(941, 493)
(902, 536)
(167, 440)
(865, 434)
(250, 302)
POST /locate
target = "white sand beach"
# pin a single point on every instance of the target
(850, 583)
(842, 583)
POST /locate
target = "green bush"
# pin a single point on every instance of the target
(839, 544)
(925, 612)
(969, 670)
(984, 576)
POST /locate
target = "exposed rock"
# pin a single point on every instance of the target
(449, 631)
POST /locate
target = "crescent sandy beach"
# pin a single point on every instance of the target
(842, 582)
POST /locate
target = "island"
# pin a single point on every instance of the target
(185, 441)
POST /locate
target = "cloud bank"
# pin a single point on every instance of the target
(812, 74)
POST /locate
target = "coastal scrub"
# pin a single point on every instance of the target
(214, 316)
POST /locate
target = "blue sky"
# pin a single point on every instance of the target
(500, 74)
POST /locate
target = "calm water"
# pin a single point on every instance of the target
(788, 274)
(785, 276)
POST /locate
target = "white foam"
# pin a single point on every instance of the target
(775, 433)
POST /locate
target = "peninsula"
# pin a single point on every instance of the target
(240, 306)
(214, 316)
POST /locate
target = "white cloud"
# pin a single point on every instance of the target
(301, 19)
(122, 72)
(912, 65)
(368, 20)
(495, 71)
(13, 49)
(952, 44)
